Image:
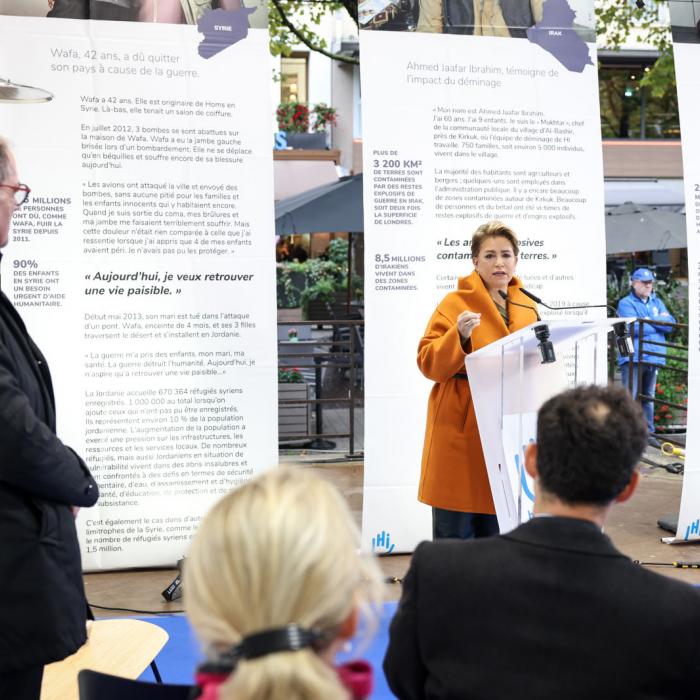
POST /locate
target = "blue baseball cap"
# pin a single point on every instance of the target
(642, 275)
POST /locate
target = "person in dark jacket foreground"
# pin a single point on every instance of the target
(42, 485)
(551, 610)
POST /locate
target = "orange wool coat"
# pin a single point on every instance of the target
(453, 470)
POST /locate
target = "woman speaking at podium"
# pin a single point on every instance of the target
(453, 471)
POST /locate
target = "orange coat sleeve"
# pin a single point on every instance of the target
(440, 352)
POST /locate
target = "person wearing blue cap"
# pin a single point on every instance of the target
(641, 302)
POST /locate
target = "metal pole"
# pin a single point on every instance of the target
(630, 375)
(348, 298)
(351, 415)
(319, 390)
(521, 461)
(640, 355)
(595, 358)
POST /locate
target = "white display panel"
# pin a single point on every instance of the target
(143, 266)
(459, 130)
(686, 57)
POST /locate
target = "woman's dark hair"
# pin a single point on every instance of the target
(493, 228)
(589, 441)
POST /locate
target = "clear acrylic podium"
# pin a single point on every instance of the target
(509, 383)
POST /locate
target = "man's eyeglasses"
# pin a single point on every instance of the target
(19, 192)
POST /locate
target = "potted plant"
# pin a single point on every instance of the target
(293, 117)
(324, 116)
(316, 283)
(293, 419)
(671, 388)
(323, 279)
(291, 280)
(293, 121)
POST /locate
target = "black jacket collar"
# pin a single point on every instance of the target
(567, 534)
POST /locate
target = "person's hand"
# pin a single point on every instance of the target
(467, 321)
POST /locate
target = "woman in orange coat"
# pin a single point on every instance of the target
(453, 471)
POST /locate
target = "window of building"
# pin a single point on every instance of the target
(294, 78)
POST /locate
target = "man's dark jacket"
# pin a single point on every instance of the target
(549, 611)
(42, 601)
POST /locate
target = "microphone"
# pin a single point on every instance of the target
(624, 343)
(174, 590)
(622, 337)
(541, 332)
(545, 344)
(504, 296)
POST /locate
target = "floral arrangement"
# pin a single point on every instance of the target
(293, 117)
(672, 387)
(289, 375)
(668, 388)
(324, 116)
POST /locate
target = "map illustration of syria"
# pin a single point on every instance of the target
(555, 33)
(221, 29)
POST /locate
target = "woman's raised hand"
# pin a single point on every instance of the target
(467, 321)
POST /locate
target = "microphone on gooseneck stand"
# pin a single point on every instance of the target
(504, 296)
(622, 337)
(541, 332)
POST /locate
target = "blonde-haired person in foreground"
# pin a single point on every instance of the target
(273, 587)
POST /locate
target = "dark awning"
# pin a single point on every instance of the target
(632, 228)
(629, 227)
(333, 208)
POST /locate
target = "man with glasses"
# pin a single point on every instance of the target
(42, 484)
(641, 302)
(14, 197)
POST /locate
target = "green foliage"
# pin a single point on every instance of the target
(671, 385)
(616, 290)
(291, 279)
(322, 290)
(619, 22)
(316, 279)
(297, 283)
(358, 289)
(662, 77)
(322, 281)
(338, 251)
(295, 21)
(318, 269)
(673, 388)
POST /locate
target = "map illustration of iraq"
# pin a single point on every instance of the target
(555, 33)
(221, 29)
